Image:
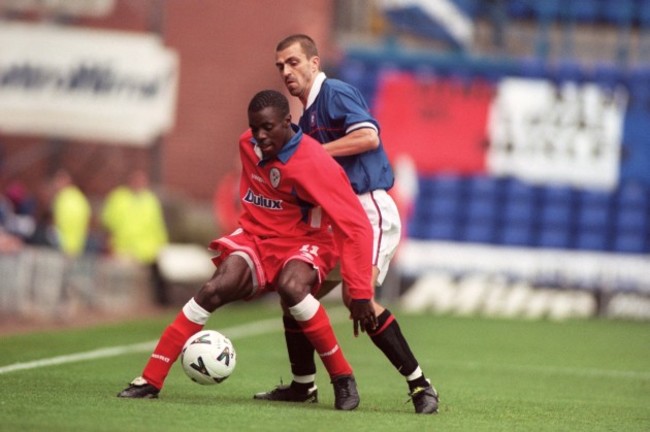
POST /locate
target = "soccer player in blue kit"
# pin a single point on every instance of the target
(337, 116)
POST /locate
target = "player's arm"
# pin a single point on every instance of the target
(328, 186)
(353, 237)
(358, 141)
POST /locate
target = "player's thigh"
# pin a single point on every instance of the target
(385, 221)
(231, 281)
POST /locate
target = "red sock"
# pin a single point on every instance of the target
(168, 349)
(318, 330)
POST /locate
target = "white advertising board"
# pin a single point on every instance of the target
(73, 83)
(567, 134)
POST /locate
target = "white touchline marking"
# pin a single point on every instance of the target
(71, 358)
(250, 329)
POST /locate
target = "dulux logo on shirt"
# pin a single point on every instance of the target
(262, 201)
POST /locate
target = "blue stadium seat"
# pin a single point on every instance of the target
(479, 233)
(556, 206)
(518, 190)
(594, 217)
(554, 237)
(546, 12)
(421, 208)
(519, 9)
(547, 9)
(633, 195)
(481, 186)
(643, 13)
(556, 214)
(582, 11)
(448, 230)
(417, 228)
(426, 186)
(632, 219)
(606, 75)
(449, 185)
(445, 206)
(479, 210)
(636, 146)
(568, 71)
(482, 208)
(556, 194)
(440, 199)
(592, 240)
(631, 243)
(519, 211)
(619, 12)
(516, 234)
(520, 202)
(594, 209)
(638, 81)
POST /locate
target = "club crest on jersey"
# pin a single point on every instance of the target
(262, 201)
(274, 176)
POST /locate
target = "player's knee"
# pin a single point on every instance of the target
(210, 296)
(292, 290)
(221, 290)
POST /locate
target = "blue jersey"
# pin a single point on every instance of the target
(338, 109)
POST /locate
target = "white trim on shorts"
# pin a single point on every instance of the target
(251, 264)
(386, 228)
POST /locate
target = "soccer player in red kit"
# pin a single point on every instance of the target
(300, 216)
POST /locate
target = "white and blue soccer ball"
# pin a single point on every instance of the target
(208, 357)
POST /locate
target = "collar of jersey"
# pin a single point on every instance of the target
(315, 88)
(287, 151)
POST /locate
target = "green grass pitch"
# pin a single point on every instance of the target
(493, 375)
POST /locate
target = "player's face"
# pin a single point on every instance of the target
(297, 71)
(271, 130)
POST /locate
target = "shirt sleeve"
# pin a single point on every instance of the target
(328, 186)
(349, 106)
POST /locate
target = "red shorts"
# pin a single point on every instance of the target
(268, 256)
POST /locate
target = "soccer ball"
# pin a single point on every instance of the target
(208, 357)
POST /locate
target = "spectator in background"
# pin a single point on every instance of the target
(9, 242)
(71, 214)
(134, 219)
(18, 211)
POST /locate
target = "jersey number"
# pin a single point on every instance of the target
(311, 250)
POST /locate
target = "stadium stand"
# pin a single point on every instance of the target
(550, 214)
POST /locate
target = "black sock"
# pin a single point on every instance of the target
(301, 352)
(389, 339)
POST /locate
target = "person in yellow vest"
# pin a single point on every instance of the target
(71, 214)
(133, 216)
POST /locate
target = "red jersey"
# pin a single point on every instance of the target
(303, 191)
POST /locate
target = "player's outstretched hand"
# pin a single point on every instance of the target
(363, 315)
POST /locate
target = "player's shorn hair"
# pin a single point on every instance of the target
(306, 43)
(269, 98)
